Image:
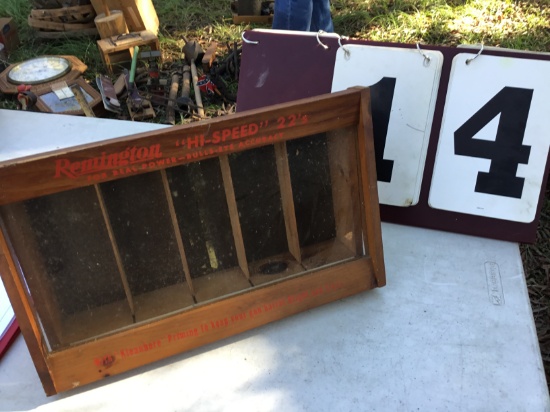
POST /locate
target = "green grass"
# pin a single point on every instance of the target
(505, 23)
(516, 25)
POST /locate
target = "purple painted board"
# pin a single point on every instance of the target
(285, 66)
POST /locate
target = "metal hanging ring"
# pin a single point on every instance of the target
(427, 58)
(347, 53)
(468, 61)
(248, 41)
(324, 46)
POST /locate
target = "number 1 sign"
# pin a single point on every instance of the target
(494, 139)
(402, 103)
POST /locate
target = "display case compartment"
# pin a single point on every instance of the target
(120, 253)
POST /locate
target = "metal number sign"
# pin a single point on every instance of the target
(494, 141)
(404, 85)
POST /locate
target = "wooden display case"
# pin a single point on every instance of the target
(122, 252)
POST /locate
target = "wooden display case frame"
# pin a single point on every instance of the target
(344, 117)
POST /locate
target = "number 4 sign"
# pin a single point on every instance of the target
(494, 141)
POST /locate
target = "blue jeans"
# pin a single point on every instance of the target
(303, 15)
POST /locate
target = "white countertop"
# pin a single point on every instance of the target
(25, 134)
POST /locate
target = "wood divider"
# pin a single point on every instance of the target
(179, 239)
(368, 188)
(116, 252)
(234, 214)
(285, 185)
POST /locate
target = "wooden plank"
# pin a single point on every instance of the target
(326, 253)
(116, 252)
(208, 323)
(234, 214)
(95, 322)
(163, 301)
(138, 14)
(21, 238)
(219, 284)
(25, 315)
(345, 191)
(368, 189)
(283, 171)
(175, 224)
(84, 165)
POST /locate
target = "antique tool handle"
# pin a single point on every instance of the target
(133, 67)
(79, 96)
(198, 97)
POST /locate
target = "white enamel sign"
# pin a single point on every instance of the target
(494, 140)
(404, 85)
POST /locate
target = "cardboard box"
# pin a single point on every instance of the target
(8, 34)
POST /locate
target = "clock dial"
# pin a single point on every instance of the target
(39, 70)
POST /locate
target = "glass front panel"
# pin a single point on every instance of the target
(106, 257)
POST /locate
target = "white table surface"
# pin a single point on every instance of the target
(452, 331)
(25, 134)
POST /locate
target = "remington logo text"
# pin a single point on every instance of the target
(132, 155)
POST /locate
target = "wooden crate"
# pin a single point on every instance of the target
(123, 252)
(139, 15)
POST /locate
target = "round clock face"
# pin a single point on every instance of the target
(39, 70)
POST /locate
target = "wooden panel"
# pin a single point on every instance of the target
(368, 186)
(287, 200)
(116, 252)
(219, 284)
(67, 235)
(204, 220)
(143, 228)
(24, 311)
(344, 183)
(208, 323)
(177, 231)
(109, 160)
(234, 214)
(259, 203)
(311, 182)
(45, 302)
(138, 14)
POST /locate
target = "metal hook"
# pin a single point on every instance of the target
(347, 53)
(468, 61)
(324, 46)
(248, 41)
(427, 58)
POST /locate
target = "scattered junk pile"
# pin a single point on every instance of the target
(137, 84)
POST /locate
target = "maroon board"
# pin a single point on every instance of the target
(278, 67)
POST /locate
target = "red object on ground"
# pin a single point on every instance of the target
(8, 336)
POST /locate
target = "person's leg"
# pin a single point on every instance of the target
(292, 15)
(321, 18)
